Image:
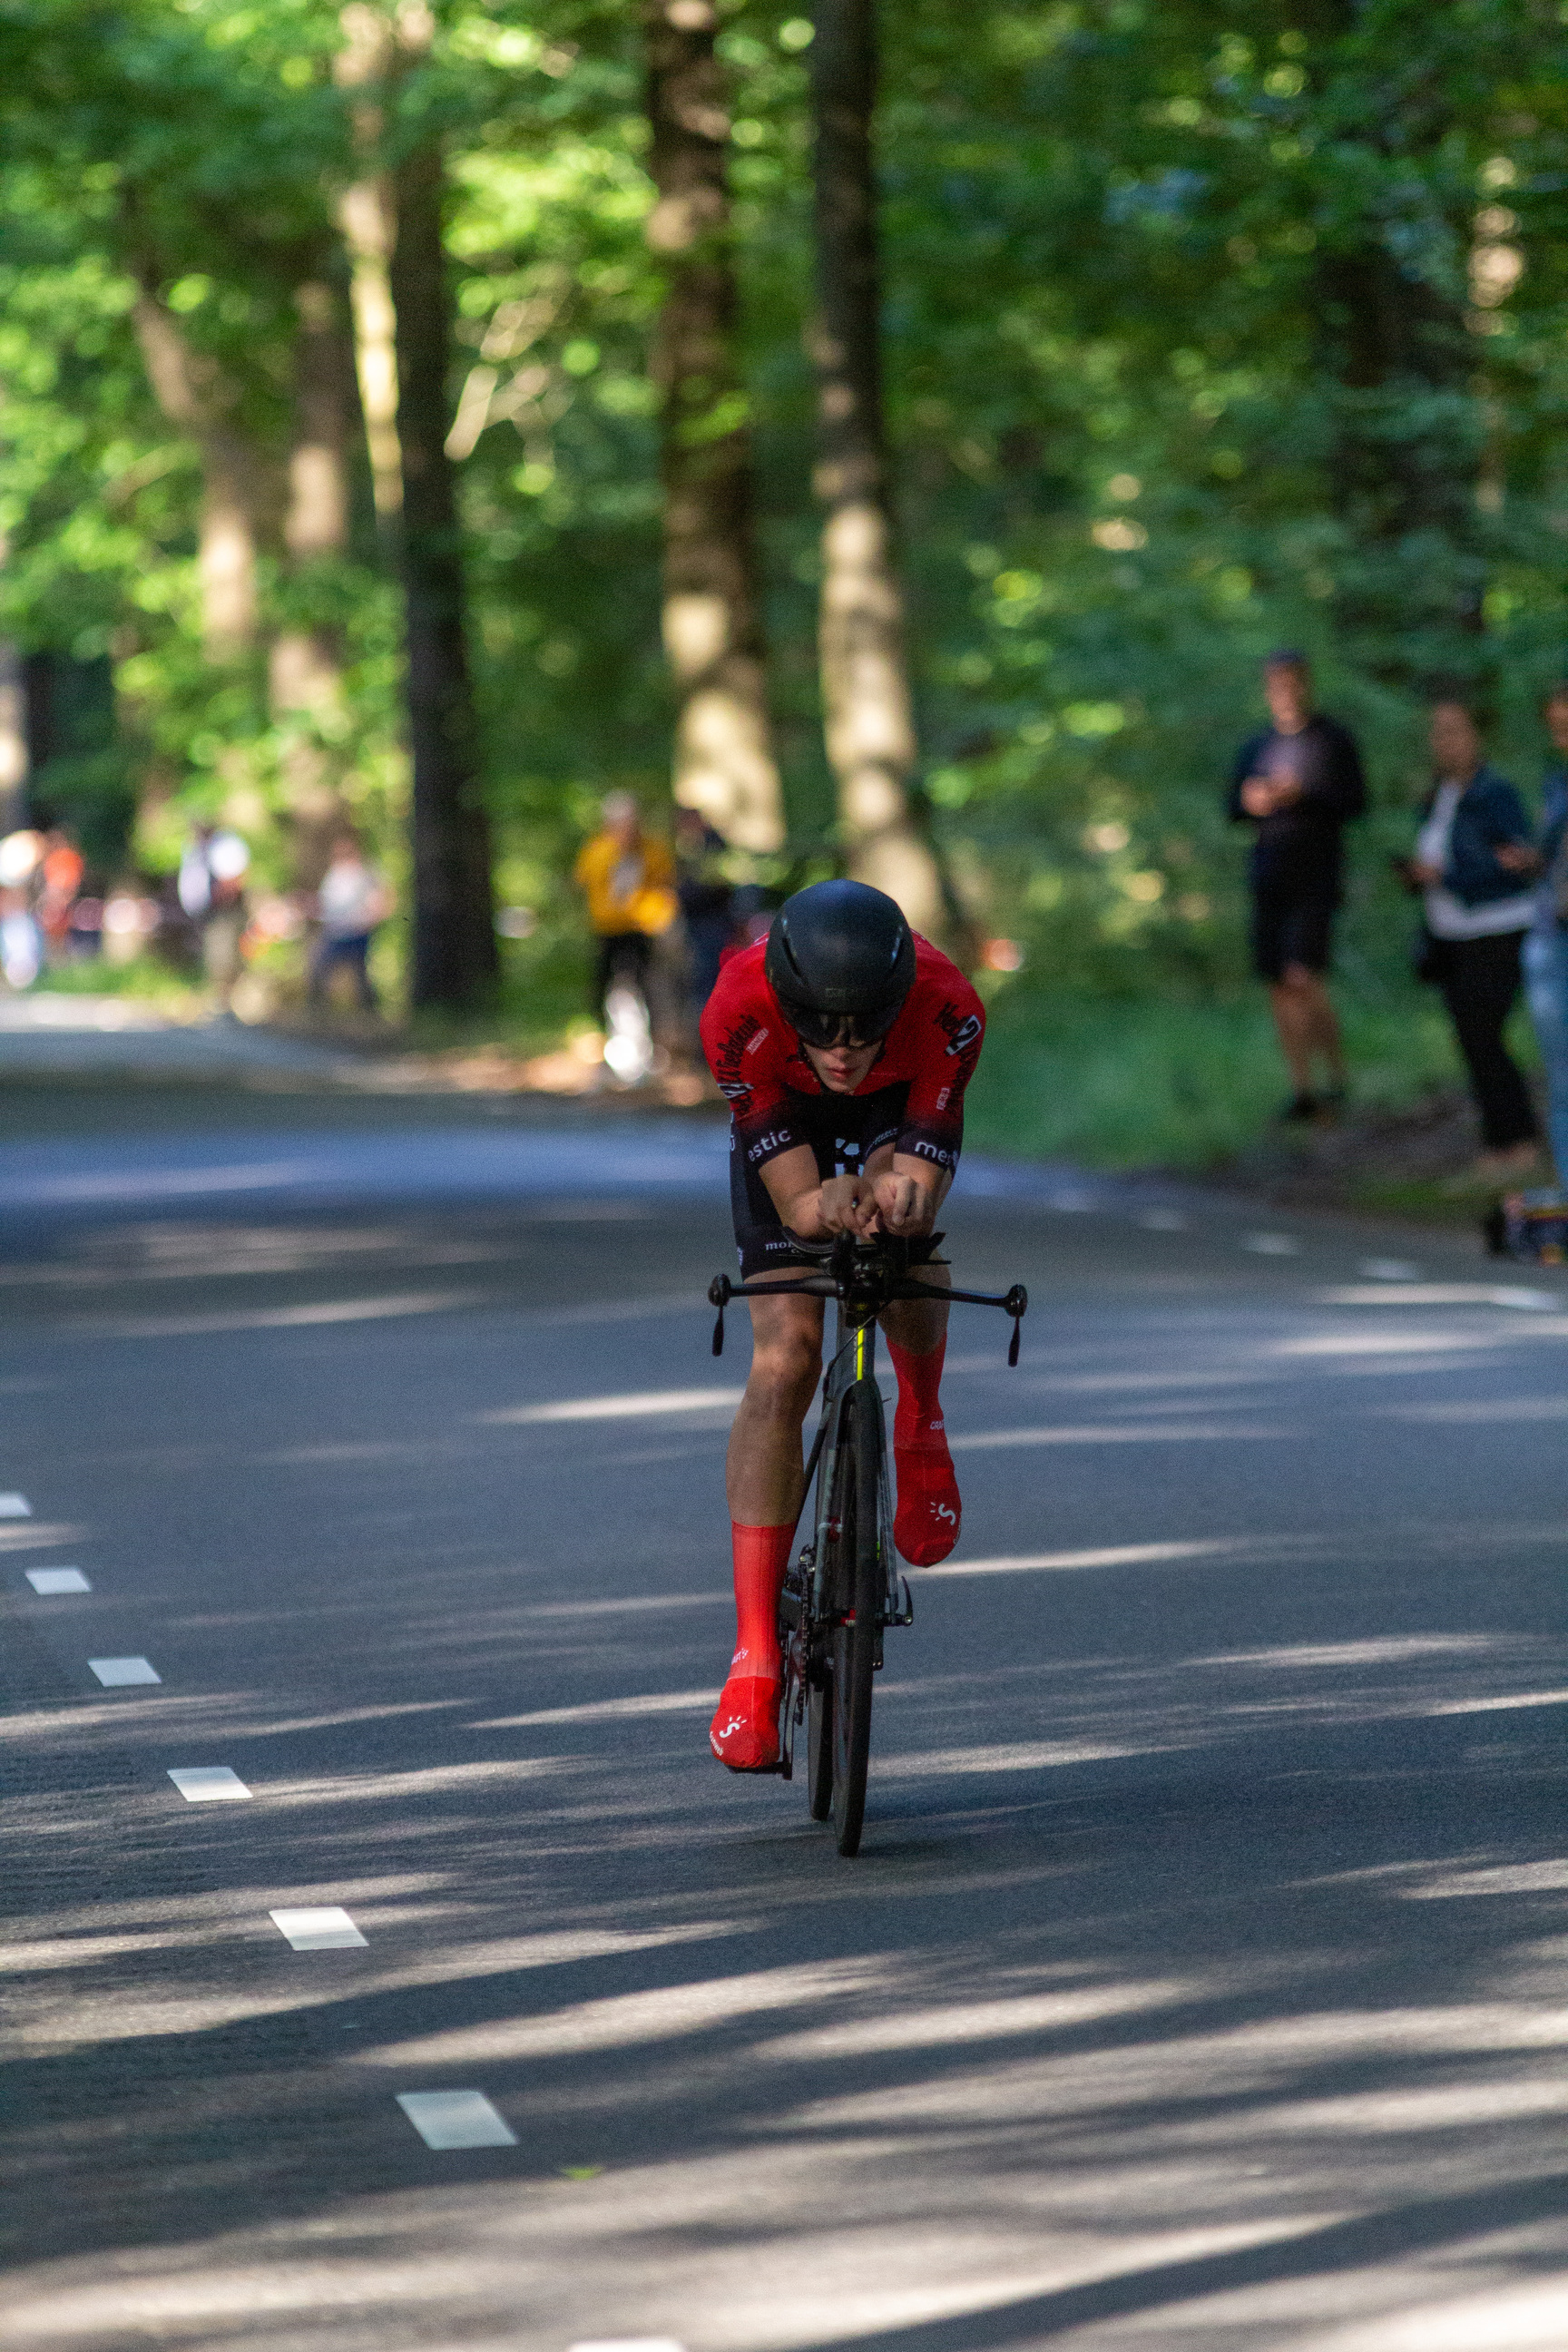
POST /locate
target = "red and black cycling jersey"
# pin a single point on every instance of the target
(762, 1068)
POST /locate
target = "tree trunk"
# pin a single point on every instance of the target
(1407, 418)
(868, 711)
(724, 763)
(1409, 446)
(305, 661)
(237, 491)
(365, 218)
(12, 737)
(454, 959)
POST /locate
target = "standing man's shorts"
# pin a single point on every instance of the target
(843, 1130)
(1291, 927)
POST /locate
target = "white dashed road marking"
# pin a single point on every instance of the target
(1389, 1269)
(114, 1673)
(57, 1579)
(455, 2119)
(15, 1507)
(325, 1928)
(1272, 1244)
(207, 1784)
(1163, 1221)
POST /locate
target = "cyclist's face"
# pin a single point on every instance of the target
(841, 1068)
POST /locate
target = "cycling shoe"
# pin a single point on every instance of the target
(744, 1733)
(926, 1524)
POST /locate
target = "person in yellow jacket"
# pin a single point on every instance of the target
(627, 876)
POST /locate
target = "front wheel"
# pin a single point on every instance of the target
(853, 1648)
(819, 1748)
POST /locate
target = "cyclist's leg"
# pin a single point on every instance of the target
(763, 1479)
(929, 1510)
(764, 1472)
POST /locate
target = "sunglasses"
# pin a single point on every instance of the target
(845, 1030)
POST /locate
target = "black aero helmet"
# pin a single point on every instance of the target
(840, 961)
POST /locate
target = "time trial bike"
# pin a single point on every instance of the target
(843, 1589)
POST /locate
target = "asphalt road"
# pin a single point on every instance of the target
(1201, 1983)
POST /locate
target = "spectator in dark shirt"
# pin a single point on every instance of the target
(1299, 782)
(707, 901)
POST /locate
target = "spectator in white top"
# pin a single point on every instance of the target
(212, 892)
(352, 899)
(21, 943)
(1473, 867)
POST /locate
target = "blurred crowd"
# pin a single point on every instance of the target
(205, 918)
(665, 914)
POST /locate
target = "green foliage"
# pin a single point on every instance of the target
(1207, 328)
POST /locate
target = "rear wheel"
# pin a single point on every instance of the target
(853, 1644)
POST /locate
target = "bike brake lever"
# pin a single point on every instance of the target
(718, 1293)
(1016, 1304)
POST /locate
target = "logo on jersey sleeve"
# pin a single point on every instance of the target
(745, 1038)
(961, 1034)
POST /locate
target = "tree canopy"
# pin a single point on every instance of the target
(1205, 328)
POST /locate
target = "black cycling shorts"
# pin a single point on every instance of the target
(1291, 927)
(843, 1130)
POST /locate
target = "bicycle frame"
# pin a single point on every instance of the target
(851, 1368)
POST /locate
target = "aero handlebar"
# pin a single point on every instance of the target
(866, 1277)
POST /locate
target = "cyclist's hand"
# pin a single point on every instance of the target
(848, 1204)
(907, 1206)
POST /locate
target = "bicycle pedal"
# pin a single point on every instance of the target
(898, 1608)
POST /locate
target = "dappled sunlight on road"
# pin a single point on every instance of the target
(1199, 1985)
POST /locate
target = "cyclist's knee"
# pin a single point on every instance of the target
(784, 1374)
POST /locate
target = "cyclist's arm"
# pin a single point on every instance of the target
(816, 1208)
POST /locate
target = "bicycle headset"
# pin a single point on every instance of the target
(840, 961)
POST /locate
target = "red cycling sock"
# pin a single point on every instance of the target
(918, 1421)
(926, 1525)
(761, 1556)
(744, 1732)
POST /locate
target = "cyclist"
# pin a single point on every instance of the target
(844, 1043)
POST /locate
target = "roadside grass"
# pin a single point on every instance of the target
(147, 980)
(1138, 1082)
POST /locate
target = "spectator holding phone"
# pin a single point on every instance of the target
(1473, 867)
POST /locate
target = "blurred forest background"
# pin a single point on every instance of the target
(1205, 328)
